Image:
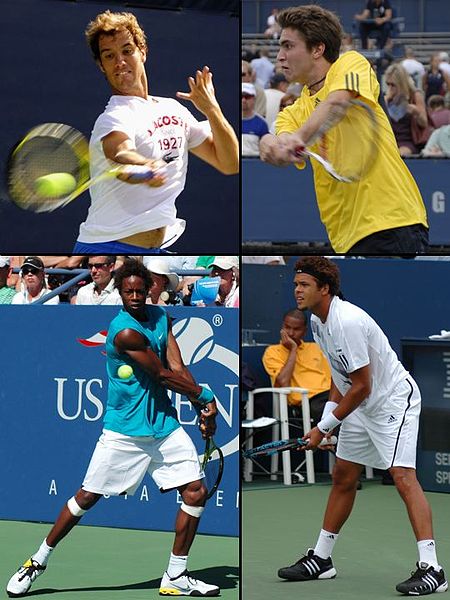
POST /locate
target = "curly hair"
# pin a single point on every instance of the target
(316, 25)
(322, 269)
(109, 23)
(132, 267)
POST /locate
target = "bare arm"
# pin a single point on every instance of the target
(221, 150)
(118, 147)
(284, 377)
(355, 395)
(364, 15)
(418, 110)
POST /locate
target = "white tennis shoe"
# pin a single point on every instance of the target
(21, 581)
(186, 585)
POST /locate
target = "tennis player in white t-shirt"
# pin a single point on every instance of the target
(376, 402)
(127, 216)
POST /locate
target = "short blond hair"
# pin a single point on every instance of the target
(109, 23)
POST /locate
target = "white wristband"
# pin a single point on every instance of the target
(329, 406)
(328, 423)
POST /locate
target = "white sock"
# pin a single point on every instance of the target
(177, 564)
(43, 554)
(325, 543)
(427, 552)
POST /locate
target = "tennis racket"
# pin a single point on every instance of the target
(212, 466)
(57, 155)
(346, 145)
(282, 445)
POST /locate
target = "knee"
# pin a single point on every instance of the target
(405, 479)
(85, 499)
(194, 494)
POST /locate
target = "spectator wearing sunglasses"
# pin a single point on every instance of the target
(254, 127)
(101, 290)
(33, 282)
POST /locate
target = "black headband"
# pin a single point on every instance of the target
(314, 273)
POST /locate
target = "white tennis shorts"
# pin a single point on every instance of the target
(388, 436)
(119, 462)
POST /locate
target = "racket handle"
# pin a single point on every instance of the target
(138, 172)
(299, 151)
(331, 442)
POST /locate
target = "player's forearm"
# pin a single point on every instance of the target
(328, 113)
(351, 400)
(179, 383)
(225, 141)
(129, 157)
(284, 377)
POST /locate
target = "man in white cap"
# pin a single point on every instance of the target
(227, 268)
(254, 127)
(35, 286)
(165, 282)
(6, 293)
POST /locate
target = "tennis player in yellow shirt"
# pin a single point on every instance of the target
(383, 213)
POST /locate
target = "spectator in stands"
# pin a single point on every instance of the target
(249, 53)
(414, 68)
(406, 111)
(439, 115)
(287, 100)
(263, 68)
(227, 268)
(277, 89)
(165, 282)
(254, 127)
(263, 260)
(34, 285)
(435, 80)
(375, 17)
(101, 290)
(249, 77)
(444, 62)
(296, 363)
(177, 264)
(347, 43)
(439, 143)
(273, 29)
(6, 293)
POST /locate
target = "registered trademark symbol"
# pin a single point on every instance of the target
(217, 320)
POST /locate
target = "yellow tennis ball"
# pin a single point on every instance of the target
(55, 185)
(125, 371)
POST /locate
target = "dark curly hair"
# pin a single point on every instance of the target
(322, 269)
(131, 267)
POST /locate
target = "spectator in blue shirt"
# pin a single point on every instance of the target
(254, 127)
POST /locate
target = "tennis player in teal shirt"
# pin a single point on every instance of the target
(141, 434)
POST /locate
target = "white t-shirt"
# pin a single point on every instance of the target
(350, 339)
(25, 298)
(159, 127)
(109, 296)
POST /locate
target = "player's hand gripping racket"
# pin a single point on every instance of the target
(50, 167)
(282, 445)
(346, 145)
(212, 466)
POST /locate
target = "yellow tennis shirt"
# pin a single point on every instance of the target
(311, 369)
(387, 196)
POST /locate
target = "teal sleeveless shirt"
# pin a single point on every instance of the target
(138, 406)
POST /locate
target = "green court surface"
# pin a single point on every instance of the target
(375, 550)
(99, 563)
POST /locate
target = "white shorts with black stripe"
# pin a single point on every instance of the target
(388, 436)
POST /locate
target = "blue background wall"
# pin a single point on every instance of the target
(279, 205)
(51, 77)
(51, 405)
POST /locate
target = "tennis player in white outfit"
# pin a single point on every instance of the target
(128, 215)
(377, 404)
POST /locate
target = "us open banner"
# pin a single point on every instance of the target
(52, 399)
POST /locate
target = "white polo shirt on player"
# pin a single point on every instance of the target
(159, 128)
(382, 431)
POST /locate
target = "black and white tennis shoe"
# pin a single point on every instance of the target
(309, 567)
(426, 580)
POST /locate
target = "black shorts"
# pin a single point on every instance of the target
(411, 239)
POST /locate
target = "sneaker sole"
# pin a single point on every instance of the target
(330, 574)
(442, 588)
(195, 593)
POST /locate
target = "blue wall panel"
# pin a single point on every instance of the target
(279, 205)
(52, 400)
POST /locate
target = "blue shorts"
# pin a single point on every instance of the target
(114, 247)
